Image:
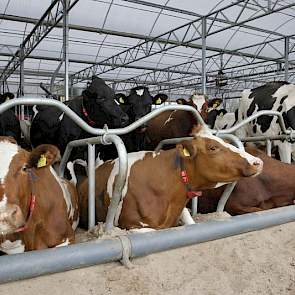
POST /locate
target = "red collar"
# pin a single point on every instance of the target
(87, 116)
(31, 209)
(189, 192)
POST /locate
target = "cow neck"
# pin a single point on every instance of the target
(185, 179)
(86, 115)
(31, 206)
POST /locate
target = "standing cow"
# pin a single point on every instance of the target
(275, 96)
(9, 123)
(96, 107)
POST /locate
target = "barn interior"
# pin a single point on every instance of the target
(179, 48)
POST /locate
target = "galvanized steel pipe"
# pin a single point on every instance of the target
(36, 263)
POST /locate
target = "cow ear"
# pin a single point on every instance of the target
(120, 98)
(43, 155)
(186, 149)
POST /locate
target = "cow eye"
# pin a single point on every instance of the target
(212, 148)
(24, 168)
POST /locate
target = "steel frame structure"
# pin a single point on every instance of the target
(191, 74)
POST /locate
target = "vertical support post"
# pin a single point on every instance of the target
(204, 33)
(268, 147)
(91, 186)
(66, 47)
(286, 58)
(71, 88)
(21, 84)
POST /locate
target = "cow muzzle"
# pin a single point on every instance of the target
(254, 168)
(11, 218)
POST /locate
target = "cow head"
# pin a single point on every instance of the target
(19, 174)
(6, 96)
(197, 101)
(215, 162)
(100, 106)
(139, 102)
(213, 114)
(160, 98)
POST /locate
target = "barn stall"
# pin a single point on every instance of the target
(217, 50)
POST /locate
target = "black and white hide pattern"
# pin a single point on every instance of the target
(276, 96)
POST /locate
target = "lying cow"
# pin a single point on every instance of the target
(37, 208)
(273, 188)
(159, 186)
(276, 96)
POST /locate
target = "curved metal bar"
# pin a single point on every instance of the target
(119, 182)
(251, 118)
(225, 195)
(71, 145)
(98, 131)
(120, 179)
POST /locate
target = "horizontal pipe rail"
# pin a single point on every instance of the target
(251, 118)
(36, 263)
(97, 131)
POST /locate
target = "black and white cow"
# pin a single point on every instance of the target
(276, 96)
(9, 123)
(96, 107)
(136, 105)
(221, 119)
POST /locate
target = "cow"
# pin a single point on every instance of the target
(136, 105)
(37, 208)
(270, 189)
(221, 119)
(158, 186)
(277, 96)
(96, 107)
(9, 123)
(197, 101)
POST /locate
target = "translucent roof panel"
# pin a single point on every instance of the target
(241, 36)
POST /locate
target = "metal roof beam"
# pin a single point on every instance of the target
(182, 35)
(186, 12)
(50, 18)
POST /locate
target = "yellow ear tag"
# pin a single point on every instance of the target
(186, 152)
(158, 101)
(7, 98)
(221, 115)
(215, 105)
(121, 100)
(42, 161)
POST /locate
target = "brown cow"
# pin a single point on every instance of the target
(274, 187)
(159, 186)
(37, 209)
(173, 124)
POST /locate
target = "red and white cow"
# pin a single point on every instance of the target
(159, 186)
(38, 209)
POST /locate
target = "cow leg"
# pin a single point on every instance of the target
(285, 151)
(186, 217)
